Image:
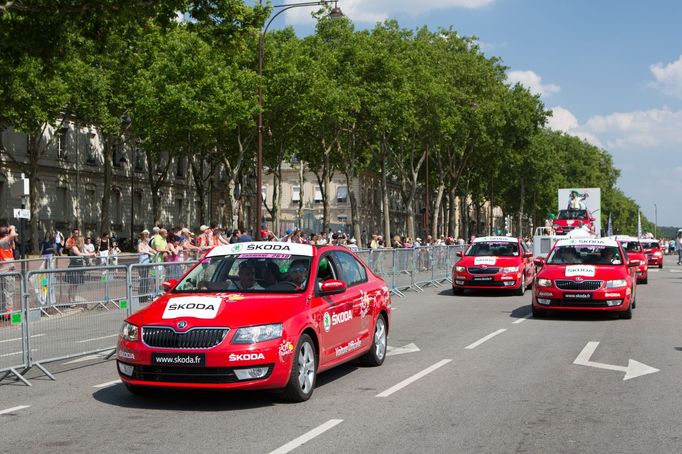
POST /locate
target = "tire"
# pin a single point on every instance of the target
(537, 313)
(633, 302)
(660, 266)
(303, 371)
(522, 288)
(377, 352)
(626, 315)
(645, 280)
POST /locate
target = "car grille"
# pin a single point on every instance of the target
(484, 283)
(481, 270)
(573, 285)
(578, 303)
(172, 374)
(195, 338)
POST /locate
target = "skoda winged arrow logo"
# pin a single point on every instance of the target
(579, 279)
(182, 324)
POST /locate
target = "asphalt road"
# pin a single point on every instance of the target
(487, 378)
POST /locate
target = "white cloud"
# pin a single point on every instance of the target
(533, 82)
(562, 120)
(668, 77)
(379, 10)
(637, 130)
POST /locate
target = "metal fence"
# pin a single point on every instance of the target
(52, 314)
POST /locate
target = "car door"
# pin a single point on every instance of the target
(334, 313)
(528, 267)
(354, 274)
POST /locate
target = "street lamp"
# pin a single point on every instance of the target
(334, 14)
(655, 220)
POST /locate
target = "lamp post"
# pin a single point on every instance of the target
(335, 13)
(655, 221)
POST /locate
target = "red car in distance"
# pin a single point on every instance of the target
(568, 220)
(653, 251)
(494, 262)
(634, 250)
(258, 316)
(585, 275)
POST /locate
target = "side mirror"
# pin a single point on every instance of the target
(527, 254)
(633, 263)
(539, 261)
(169, 284)
(460, 253)
(332, 287)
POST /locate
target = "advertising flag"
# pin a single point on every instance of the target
(609, 228)
(639, 225)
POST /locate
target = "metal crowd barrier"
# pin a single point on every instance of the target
(14, 347)
(144, 280)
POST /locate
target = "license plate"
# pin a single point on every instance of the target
(578, 296)
(179, 359)
(483, 278)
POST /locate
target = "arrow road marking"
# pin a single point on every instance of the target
(634, 368)
(409, 348)
(484, 339)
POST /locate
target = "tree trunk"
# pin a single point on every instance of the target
(523, 195)
(453, 231)
(32, 174)
(385, 203)
(301, 181)
(436, 210)
(105, 216)
(354, 214)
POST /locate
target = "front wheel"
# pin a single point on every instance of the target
(303, 372)
(522, 289)
(627, 315)
(377, 353)
(660, 266)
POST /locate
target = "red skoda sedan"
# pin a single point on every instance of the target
(258, 316)
(653, 251)
(494, 262)
(634, 250)
(585, 275)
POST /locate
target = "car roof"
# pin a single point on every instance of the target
(262, 247)
(624, 238)
(506, 239)
(587, 242)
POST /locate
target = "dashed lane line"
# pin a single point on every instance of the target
(19, 338)
(521, 320)
(96, 338)
(413, 378)
(484, 339)
(13, 409)
(107, 384)
(319, 430)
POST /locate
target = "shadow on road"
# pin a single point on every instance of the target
(571, 316)
(483, 293)
(520, 312)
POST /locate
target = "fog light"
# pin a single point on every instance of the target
(544, 301)
(126, 369)
(459, 282)
(508, 283)
(249, 374)
(612, 303)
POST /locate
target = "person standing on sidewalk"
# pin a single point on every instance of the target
(678, 246)
(103, 248)
(7, 284)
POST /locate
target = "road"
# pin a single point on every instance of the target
(487, 378)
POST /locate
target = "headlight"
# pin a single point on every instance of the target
(460, 269)
(253, 334)
(618, 283)
(658, 254)
(510, 269)
(544, 282)
(129, 332)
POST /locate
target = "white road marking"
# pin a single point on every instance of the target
(107, 384)
(13, 409)
(96, 338)
(409, 348)
(19, 338)
(319, 430)
(521, 320)
(486, 338)
(84, 358)
(676, 271)
(633, 369)
(413, 378)
(16, 353)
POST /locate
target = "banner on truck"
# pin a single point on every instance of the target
(582, 199)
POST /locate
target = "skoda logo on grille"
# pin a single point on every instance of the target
(485, 267)
(182, 324)
(579, 279)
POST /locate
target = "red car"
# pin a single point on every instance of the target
(494, 262)
(585, 275)
(634, 250)
(653, 251)
(258, 316)
(568, 220)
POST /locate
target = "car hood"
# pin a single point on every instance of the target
(584, 272)
(229, 309)
(489, 260)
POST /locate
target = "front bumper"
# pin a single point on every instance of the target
(608, 300)
(499, 281)
(655, 260)
(218, 369)
(642, 273)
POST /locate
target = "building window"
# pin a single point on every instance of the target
(180, 168)
(116, 154)
(178, 210)
(342, 218)
(90, 156)
(139, 160)
(318, 195)
(62, 143)
(116, 211)
(264, 193)
(91, 204)
(296, 194)
(342, 194)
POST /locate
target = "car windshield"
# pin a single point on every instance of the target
(495, 248)
(650, 245)
(585, 255)
(572, 214)
(631, 246)
(248, 274)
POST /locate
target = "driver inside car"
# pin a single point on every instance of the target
(298, 273)
(247, 277)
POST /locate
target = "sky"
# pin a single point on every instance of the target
(610, 71)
